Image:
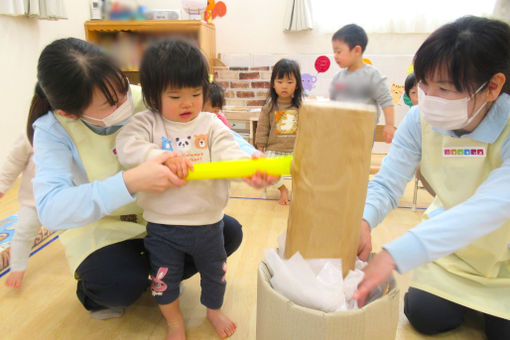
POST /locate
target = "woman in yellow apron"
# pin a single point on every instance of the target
(81, 101)
(460, 133)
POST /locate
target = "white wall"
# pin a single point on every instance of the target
(21, 41)
(240, 38)
(243, 40)
(256, 27)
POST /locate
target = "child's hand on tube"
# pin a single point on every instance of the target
(259, 179)
(179, 165)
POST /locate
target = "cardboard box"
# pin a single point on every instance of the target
(278, 318)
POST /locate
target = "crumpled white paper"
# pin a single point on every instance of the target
(316, 283)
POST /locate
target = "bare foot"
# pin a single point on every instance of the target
(284, 195)
(176, 332)
(224, 326)
(15, 279)
(174, 320)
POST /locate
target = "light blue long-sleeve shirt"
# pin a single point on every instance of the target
(447, 230)
(64, 197)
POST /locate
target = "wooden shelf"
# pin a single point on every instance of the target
(97, 31)
(243, 121)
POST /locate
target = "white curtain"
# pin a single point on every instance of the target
(12, 7)
(395, 16)
(298, 16)
(41, 9)
(502, 10)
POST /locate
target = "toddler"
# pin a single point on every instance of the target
(278, 120)
(357, 81)
(411, 91)
(19, 160)
(215, 101)
(185, 220)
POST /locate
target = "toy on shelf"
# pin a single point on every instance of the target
(275, 166)
(214, 9)
(194, 8)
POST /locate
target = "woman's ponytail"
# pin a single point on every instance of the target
(38, 107)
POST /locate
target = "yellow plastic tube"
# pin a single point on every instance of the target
(275, 166)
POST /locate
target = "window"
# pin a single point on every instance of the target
(394, 16)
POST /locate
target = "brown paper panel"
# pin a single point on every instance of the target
(329, 180)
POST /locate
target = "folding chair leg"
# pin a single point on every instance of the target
(415, 194)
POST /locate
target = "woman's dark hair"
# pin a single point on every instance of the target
(470, 50)
(286, 67)
(68, 71)
(216, 95)
(175, 63)
(353, 35)
(409, 83)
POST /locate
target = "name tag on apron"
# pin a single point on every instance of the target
(471, 152)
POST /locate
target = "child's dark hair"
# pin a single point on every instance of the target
(409, 83)
(216, 95)
(470, 50)
(353, 35)
(280, 69)
(68, 71)
(173, 62)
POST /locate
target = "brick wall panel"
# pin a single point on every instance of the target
(235, 102)
(249, 75)
(240, 84)
(260, 84)
(265, 75)
(245, 94)
(224, 84)
(258, 102)
(228, 75)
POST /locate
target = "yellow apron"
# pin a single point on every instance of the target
(478, 275)
(100, 162)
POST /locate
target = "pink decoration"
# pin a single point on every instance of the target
(322, 64)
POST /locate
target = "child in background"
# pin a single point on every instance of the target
(215, 101)
(185, 220)
(277, 125)
(357, 81)
(411, 91)
(19, 160)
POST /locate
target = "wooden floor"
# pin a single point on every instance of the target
(46, 307)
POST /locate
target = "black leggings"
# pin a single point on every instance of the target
(429, 314)
(118, 274)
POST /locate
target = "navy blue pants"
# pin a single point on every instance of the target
(117, 275)
(429, 314)
(167, 246)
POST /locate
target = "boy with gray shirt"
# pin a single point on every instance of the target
(357, 81)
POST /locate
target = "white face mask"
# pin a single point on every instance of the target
(447, 114)
(121, 114)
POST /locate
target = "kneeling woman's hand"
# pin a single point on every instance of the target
(152, 175)
(378, 269)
